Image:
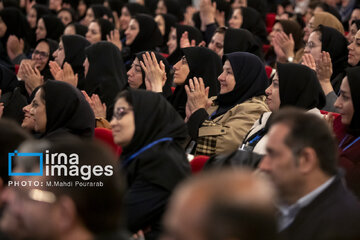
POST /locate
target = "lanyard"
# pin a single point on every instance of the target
(143, 149)
(348, 146)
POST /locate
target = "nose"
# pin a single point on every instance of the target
(350, 46)
(55, 53)
(221, 77)
(268, 91)
(26, 109)
(264, 164)
(176, 66)
(337, 103)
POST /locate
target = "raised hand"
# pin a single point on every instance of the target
(56, 71)
(286, 43)
(98, 108)
(114, 37)
(197, 95)
(155, 74)
(68, 75)
(14, 46)
(324, 72)
(309, 61)
(31, 77)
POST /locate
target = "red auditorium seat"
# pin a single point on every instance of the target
(105, 135)
(198, 163)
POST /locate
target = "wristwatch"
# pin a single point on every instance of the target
(290, 59)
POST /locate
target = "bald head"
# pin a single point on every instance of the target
(191, 209)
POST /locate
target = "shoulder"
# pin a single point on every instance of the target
(255, 104)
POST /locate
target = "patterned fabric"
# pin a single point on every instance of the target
(206, 145)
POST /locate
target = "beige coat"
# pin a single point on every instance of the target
(226, 132)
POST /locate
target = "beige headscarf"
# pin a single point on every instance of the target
(328, 20)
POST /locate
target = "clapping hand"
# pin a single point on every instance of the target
(97, 106)
(31, 76)
(114, 37)
(197, 96)
(309, 61)
(55, 70)
(155, 74)
(65, 75)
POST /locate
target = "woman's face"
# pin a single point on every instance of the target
(236, 19)
(351, 35)
(217, 43)
(32, 17)
(28, 122)
(182, 70)
(59, 54)
(132, 31)
(273, 94)
(93, 34)
(123, 123)
(161, 24)
(65, 17)
(41, 55)
(314, 45)
(81, 8)
(38, 112)
(70, 30)
(40, 30)
(135, 77)
(276, 28)
(86, 65)
(89, 17)
(161, 8)
(354, 50)
(344, 103)
(3, 28)
(308, 29)
(172, 43)
(124, 18)
(227, 78)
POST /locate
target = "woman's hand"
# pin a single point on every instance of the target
(114, 38)
(197, 95)
(69, 76)
(97, 106)
(31, 77)
(324, 71)
(309, 61)
(286, 43)
(155, 74)
(56, 70)
(14, 46)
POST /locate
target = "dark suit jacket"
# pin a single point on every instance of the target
(334, 214)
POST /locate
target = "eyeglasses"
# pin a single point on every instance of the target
(42, 55)
(310, 45)
(120, 112)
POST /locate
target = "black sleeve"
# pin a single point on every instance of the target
(195, 121)
(144, 204)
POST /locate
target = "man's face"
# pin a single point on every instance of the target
(280, 163)
(184, 218)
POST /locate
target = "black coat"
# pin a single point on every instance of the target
(334, 214)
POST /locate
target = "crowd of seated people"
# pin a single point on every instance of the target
(142, 93)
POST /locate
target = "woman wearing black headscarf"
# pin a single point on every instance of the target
(170, 6)
(151, 133)
(128, 11)
(142, 34)
(188, 67)
(136, 75)
(36, 12)
(222, 126)
(293, 85)
(173, 43)
(348, 104)
(60, 109)
(49, 26)
(104, 72)
(98, 30)
(97, 11)
(241, 40)
(72, 50)
(13, 22)
(353, 29)
(329, 40)
(75, 28)
(165, 23)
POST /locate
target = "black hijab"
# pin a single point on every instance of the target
(173, 7)
(54, 27)
(74, 47)
(253, 22)
(169, 76)
(170, 21)
(41, 11)
(106, 76)
(53, 46)
(100, 10)
(241, 40)
(193, 33)
(353, 75)
(106, 27)
(251, 80)
(299, 87)
(149, 36)
(202, 63)
(335, 44)
(80, 29)
(16, 24)
(67, 111)
(8, 80)
(135, 8)
(155, 118)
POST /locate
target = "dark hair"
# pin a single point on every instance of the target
(12, 135)
(308, 130)
(100, 209)
(238, 222)
(124, 94)
(221, 30)
(69, 10)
